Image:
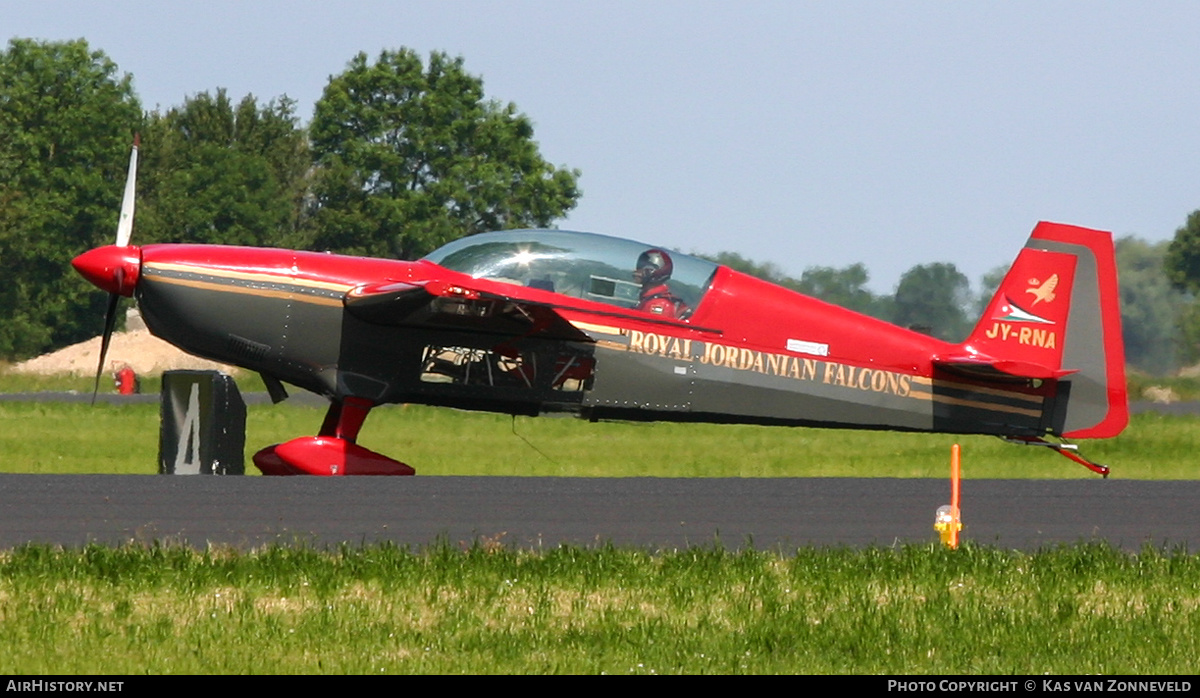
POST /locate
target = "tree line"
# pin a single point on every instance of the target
(932, 298)
(402, 154)
(1160, 315)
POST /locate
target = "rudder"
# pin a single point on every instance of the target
(1056, 317)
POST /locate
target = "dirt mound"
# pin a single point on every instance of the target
(145, 354)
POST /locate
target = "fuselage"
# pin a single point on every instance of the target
(749, 351)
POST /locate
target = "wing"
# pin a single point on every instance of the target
(488, 307)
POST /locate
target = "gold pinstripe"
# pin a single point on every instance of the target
(1032, 399)
(601, 329)
(990, 406)
(250, 291)
(248, 276)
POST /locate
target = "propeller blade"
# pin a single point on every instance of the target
(125, 224)
(124, 232)
(110, 323)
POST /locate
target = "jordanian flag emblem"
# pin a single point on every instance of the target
(1009, 312)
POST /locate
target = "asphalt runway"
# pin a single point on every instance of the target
(653, 513)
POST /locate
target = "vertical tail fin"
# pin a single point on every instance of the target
(1056, 317)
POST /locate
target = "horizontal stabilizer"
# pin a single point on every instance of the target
(978, 366)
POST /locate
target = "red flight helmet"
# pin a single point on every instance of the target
(653, 267)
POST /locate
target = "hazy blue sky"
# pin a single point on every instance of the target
(798, 133)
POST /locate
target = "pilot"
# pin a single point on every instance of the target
(652, 270)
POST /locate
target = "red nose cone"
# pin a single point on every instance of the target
(113, 269)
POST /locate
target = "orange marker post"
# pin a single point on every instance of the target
(948, 522)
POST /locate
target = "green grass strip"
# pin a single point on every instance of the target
(78, 438)
(487, 609)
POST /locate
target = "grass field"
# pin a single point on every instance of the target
(78, 438)
(913, 610)
(67, 438)
(488, 609)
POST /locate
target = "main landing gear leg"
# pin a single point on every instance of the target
(333, 451)
(1070, 451)
(345, 418)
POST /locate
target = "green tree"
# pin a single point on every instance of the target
(216, 172)
(1182, 266)
(66, 123)
(1182, 263)
(988, 284)
(1151, 308)
(767, 271)
(1188, 334)
(846, 287)
(410, 157)
(932, 298)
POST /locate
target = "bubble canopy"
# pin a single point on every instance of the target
(582, 265)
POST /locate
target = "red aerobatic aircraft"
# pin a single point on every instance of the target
(539, 321)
